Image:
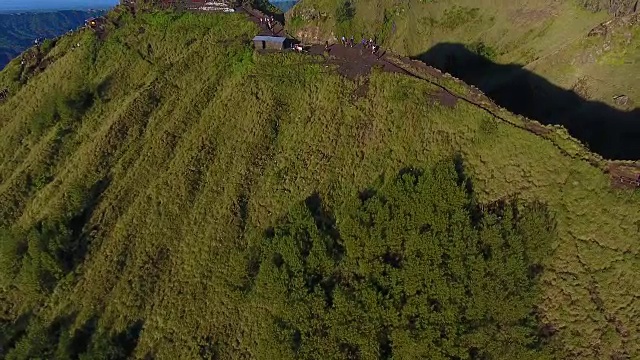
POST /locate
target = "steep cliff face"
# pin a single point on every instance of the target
(613, 7)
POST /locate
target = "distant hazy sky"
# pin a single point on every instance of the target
(7, 5)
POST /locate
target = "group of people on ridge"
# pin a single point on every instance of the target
(270, 21)
(366, 43)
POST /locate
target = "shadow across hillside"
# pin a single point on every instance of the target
(613, 133)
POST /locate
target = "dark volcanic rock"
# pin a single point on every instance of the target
(614, 7)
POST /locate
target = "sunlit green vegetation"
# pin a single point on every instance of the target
(547, 37)
(411, 270)
(144, 201)
(507, 26)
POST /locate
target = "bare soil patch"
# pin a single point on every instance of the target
(624, 176)
(361, 90)
(537, 128)
(446, 98)
(354, 62)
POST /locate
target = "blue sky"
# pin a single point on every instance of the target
(7, 5)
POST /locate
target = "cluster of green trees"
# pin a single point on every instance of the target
(37, 258)
(59, 341)
(33, 262)
(415, 268)
(412, 270)
(482, 49)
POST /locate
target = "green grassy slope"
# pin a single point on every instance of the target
(134, 194)
(599, 67)
(516, 31)
(548, 37)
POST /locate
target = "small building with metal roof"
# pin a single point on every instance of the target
(271, 42)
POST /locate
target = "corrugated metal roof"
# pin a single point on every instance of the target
(277, 39)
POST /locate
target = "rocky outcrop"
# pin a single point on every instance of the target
(620, 22)
(314, 35)
(613, 7)
(311, 29)
(308, 14)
